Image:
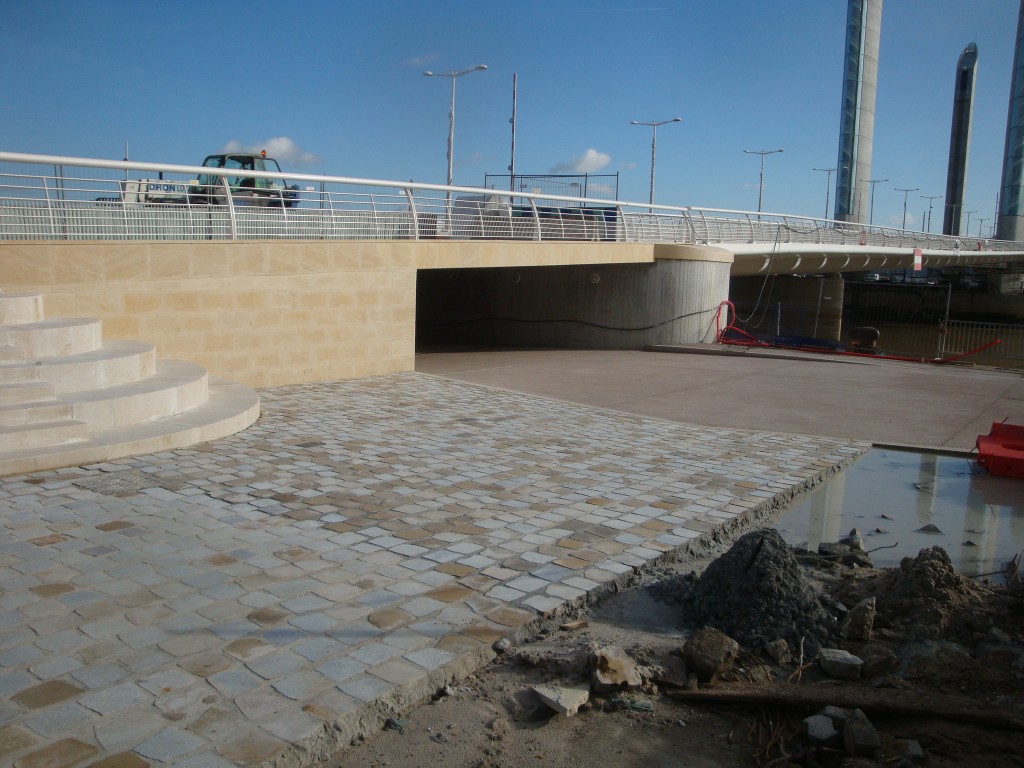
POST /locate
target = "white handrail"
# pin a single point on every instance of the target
(347, 207)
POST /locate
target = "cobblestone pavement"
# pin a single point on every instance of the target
(271, 593)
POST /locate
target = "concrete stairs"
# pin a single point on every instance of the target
(67, 398)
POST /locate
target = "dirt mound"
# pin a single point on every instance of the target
(925, 590)
(757, 592)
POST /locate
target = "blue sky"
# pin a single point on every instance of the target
(337, 88)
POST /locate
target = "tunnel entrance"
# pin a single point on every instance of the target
(588, 306)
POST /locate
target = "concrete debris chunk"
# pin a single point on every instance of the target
(564, 699)
(614, 669)
(860, 738)
(709, 653)
(860, 621)
(841, 664)
(778, 651)
(821, 732)
(878, 660)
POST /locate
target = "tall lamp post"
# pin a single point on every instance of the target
(760, 186)
(654, 146)
(906, 192)
(980, 222)
(871, 213)
(451, 111)
(828, 185)
(967, 229)
(929, 198)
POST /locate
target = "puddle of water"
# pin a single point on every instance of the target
(890, 495)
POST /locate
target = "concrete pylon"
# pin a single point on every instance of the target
(857, 115)
(960, 138)
(1011, 191)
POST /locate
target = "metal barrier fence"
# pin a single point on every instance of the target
(958, 337)
(48, 197)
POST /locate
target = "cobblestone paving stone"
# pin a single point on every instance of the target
(237, 598)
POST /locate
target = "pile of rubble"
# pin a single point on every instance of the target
(762, 633)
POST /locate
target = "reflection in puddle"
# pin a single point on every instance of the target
(891, 495)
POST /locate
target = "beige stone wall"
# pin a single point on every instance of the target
(266, 313)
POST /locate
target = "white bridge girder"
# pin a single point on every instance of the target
(805, 258)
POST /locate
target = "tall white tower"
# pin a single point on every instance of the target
(857, 116)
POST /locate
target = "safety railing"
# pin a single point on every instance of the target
(47, 197)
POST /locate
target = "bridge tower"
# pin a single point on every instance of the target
(960, 138)
(857, 115)
(1011, 193)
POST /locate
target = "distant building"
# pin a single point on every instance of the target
(857, 114)
(1011, 192)
(960, 138)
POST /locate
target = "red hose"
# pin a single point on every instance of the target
(749, 340)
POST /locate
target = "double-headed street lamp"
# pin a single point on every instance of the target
(929, 198)
(967, 229)
(654, 146)
(871, 213)
(760, 186)
(906, 192)
(451, 111)
(828, 185)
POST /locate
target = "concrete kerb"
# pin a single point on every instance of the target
(355, 726)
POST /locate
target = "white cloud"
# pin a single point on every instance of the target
(590, 161)
(421, 61)
(896, 220)
(281, 148)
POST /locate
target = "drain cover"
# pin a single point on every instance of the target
(116, 483)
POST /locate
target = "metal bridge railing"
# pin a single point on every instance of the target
(45, 197)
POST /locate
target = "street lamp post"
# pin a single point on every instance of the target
(929, 198)
(967, 229)
(871, 212)
(760, 186)
(654, 146)
(828, 184)
(980, 222)
(451, 112)
(906, 192)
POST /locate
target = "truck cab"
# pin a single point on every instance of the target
(245, 190)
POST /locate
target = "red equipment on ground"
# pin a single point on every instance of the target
(1001, 451)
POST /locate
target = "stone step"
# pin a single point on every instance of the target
(11, 354)
(229, 409)
(18, 393)
(47, 434)
(24, 414)
(176, 386)
(49, 338)
(116, 362)
(17, 308)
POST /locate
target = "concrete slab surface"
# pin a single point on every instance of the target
(263, 598)
(883, 402)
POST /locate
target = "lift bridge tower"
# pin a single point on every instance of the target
(857, 116)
